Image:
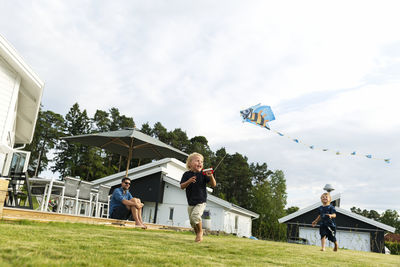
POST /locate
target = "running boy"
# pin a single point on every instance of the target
(194, 181)
(327, 228)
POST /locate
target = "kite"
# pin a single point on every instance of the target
(258, 115)
(261, 115)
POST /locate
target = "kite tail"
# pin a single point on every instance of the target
(336, 152)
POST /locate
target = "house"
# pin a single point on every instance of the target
(354, 231)
(20, 95)
(157, 184)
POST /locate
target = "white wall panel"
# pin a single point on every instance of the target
(7, 99)
(346, 239)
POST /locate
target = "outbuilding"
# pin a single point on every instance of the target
(354, 231)
(157, 184)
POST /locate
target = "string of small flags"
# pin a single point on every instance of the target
(260, 115)
(337, 152)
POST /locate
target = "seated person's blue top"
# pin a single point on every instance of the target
(117, 197)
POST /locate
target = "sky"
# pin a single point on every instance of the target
(329, 70)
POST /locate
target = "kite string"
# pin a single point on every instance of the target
(326, 149)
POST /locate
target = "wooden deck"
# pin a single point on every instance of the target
(34, 215)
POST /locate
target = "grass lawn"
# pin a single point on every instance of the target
(26, 243)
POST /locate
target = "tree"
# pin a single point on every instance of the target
(268, 200)
(160, 132)
(70, 158)
(233, 179)
(391, 217)
(200, 145)
(49, 127)
(119, 121)
(146, 129)
(291, 210)
(178, 139)
(101, 121)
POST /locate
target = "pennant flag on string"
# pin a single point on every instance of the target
(260, 115)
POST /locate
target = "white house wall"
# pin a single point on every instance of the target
(9, 87)
(216, 215)
(221, 219)
(244, 224)
(175, 170)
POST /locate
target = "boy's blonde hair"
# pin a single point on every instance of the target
(190, 157)
(329, 197)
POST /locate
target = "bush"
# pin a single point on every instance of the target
(394, 247)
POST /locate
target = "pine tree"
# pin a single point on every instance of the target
(49, 128)
(72, 159)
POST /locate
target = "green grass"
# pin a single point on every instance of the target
(27, 243)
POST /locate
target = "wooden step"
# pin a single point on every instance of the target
(12, 214)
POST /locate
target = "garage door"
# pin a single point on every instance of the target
(354, 240)
(349, 240)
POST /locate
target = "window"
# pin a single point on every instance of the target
(206, 214)
(16, 162)
(171, 214)
(236, 222)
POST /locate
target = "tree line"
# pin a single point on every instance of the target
(388, 217)
(250, 185)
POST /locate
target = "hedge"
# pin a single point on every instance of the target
(394, 247)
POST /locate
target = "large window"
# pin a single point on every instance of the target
(16, 162)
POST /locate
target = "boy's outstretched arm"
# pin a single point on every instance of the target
(316, 221)
(212, 181)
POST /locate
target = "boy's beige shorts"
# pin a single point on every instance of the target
(195, 213)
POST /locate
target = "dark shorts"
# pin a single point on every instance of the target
(328, 232)
(121, 213)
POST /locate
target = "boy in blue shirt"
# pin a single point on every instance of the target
(122, 204)
(327, 215)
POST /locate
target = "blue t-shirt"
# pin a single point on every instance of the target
(117, 197)
(196, 193)
(325, 220)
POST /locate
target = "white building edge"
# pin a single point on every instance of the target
(20, 96)
(172, 208)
